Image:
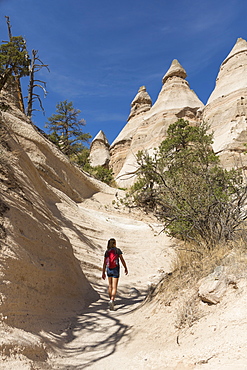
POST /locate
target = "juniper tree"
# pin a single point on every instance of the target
(185, 186)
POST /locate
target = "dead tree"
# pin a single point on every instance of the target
(9, 26)
(36, 65)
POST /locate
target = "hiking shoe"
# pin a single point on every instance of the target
(111, 305)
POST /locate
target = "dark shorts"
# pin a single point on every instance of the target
(113, 272)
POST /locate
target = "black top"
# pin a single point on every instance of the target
(118, 252)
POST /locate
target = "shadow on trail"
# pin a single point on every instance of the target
(95, 333)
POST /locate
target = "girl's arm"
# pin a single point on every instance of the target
(103, 269)
(124, 264)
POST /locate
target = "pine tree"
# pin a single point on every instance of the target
(14, 60)
(66, 128)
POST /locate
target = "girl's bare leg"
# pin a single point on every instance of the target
(114, 288)
(110, 286)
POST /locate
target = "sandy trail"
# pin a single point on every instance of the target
(97, 333)
(96, 337)
(137, 335)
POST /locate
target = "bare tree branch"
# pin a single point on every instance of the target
(35, 67)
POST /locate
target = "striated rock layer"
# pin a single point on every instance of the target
(146, 129)
(226, 109)
(141, 103)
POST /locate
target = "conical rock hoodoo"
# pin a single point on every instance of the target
(99, 151)
(226, 109)
(147, 126)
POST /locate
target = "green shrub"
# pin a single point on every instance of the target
(185, 186)
(100, 173)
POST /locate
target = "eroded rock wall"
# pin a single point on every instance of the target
(41, 280)
(226, 109)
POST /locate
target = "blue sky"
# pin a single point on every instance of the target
(100, 52)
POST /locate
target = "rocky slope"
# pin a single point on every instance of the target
(41, 280)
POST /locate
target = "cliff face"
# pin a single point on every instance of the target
(225, 112)
(226, 109)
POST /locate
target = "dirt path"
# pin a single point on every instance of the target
(96, 337)
(136, 335)
(97, 333)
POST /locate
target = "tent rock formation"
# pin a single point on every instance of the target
(141, 103)
(147, 128)
(99, 151)
(225, 112)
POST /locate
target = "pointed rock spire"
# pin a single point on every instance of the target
(99, 150)
(176, 93)
(239, 47)
(101, 137)
(142, 96)
(147, 130)
(232, 75)
(141, 102)
(175, 70)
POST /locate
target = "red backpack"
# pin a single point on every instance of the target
(112, 258)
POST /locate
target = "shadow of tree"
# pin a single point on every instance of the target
(89, 336)
(95, 333)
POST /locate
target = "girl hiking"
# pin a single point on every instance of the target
(111, 266)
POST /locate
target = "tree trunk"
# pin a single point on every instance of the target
(31, 86)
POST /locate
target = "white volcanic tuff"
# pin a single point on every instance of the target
(101, 136)
(175, 70)
(226, 110)
(139, 106)
(141, 103)
(146, 130)
(175, 93)
(53, 166)
(99, 150)
(41, 276)
(120, 148)
(233, 72)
